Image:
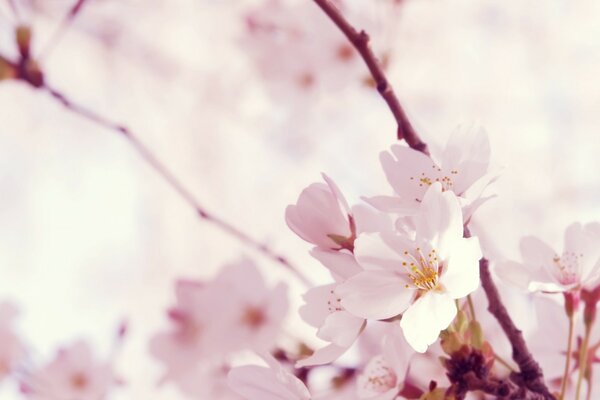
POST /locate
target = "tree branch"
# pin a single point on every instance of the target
(530, 375)
(360, 41)
(502, 389)
(28, 71)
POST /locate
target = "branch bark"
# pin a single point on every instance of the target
(360, 41)
(530, 374)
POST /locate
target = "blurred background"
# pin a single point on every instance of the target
(247, 102)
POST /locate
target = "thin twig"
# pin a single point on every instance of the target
(157, 165)
(530, 374)
(62, 28)
(14, 8)
(35, 78)
(360, 41)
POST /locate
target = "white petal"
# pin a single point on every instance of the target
(397, 351)
(260, 383)
(535, 252)
(405, 164)
(584, 244)
(316, 309)
(393, 204)
(375, 294)
(440, 220)
(461, 275)
(515, 273)
(381, 251)
(426, 318)
(324, 355)
(342, 265)
(341, 328)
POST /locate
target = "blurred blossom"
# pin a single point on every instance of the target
(543, 269)
(244, 101)
(267, 383)
(73, 374)
(12, 350)
(211, 320)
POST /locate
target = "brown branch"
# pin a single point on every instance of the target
(157, 165)
(360, 41)
(530, 374)
(64, 25)
(499, 388)
(26, 70)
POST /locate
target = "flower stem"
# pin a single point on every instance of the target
(583, 359)
(565, 379)
(471, 308)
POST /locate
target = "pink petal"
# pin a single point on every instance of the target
(377, 294)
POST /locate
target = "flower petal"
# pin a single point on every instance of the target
(461, 276)
(440, 220)
(341, 328)
(324, 355)
(426, 318)
(375, 294)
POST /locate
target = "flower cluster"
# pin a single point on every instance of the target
(74, 372)
(212, 321)
(405, 269)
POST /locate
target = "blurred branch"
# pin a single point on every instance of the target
(159, 167)
(530, 374)
(62, 27)
(27, 70)
(360, 41)
(13, 7)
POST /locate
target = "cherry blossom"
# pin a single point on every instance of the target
(267, 383)
(73, 374)
(312, 59)
(543, 269)
(417, 277)
(322, 216)
(207, 381)
(211, 320)
(12, 351)
(257, 311)
(324, 310)
(462, 167)
(193, 335)
(384, 376)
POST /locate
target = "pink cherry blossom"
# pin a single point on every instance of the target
(543, 269)
(254, 320)
(462, 167)
(383, 377)
(193, 335)
(207, 381)
(323, 310)
(313, 59)
(73, 374)
(12, 351)
(267, 383)
(211, 320)
(417, 276)
(322, 216)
